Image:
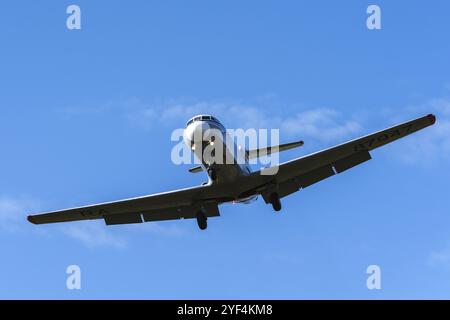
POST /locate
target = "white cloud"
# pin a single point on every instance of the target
(94, 234)
(13, 211)
(432, 145)
(319, 124)
(441, 105)
(319, 127)
(325, 125)
(166, 229)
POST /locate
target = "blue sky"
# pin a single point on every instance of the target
(86, 116)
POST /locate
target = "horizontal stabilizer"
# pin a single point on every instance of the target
(261, 152)
(196, 169)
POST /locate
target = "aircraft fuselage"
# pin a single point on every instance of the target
(203, 132)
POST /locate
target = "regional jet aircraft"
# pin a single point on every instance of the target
(236, 182)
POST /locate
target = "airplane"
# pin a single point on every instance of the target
(236, 182)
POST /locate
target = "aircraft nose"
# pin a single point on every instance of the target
(194, 133)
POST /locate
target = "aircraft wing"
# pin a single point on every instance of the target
(291, 176)
(183, 203)
(307, 170)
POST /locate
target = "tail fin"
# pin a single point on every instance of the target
(261, 152)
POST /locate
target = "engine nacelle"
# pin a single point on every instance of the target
(247, 200)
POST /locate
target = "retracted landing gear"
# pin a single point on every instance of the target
(202, 220)
(275, 201)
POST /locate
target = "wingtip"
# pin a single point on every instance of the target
(31, 219)
(432, 118)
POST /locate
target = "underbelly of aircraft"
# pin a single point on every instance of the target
(246, 200)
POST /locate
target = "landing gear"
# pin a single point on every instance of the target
(275, 201)
(212, 174)
(202, 220)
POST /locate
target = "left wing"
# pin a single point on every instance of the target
(307, 170)
(183, 203)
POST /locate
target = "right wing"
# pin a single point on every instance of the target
(183, 203)
(307, 170)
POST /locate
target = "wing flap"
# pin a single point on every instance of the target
(161, 214)
(315, 176)
(210, 208)
(293, 185)
(124, 218)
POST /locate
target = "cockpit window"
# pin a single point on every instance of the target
(202, 118)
